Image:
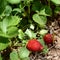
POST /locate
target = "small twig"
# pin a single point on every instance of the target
(35, 56)
(51, 47)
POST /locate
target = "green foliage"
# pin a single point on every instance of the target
(0, 57)
(36, 6)
(14, 55)
(27, 58)
(57, 10)
(46, 11)
(45, 50)
(13, 1)
(2, 5)
(12, 20)
(22, 20)
(21, 34)
(23, 53)
(17, 10)
(4, 43)
(8, 26)
(8, 10)
(12, 32)
(32, 27)
(30, 34)
(56, 1)
(41, 20)
(43, 32)
(41, 40)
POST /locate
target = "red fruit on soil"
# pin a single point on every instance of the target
(34, 45)
(48, 38)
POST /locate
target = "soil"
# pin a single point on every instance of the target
(54, 51)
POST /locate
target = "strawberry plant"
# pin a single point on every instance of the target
(22, 21)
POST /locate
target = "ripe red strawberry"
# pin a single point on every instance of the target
(48, 38)
(34, 45)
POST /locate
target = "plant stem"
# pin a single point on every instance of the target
(48, 2)
(29, 11)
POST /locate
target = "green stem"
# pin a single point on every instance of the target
(48, 2)
(29, 9)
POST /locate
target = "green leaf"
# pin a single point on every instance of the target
(57, 10)
(17, 10)
(41, 20)
(45, 50)
(12, 20)
(46, 11)
(27, 58)
(8, 10)
(23, 52)
(43, 32)
(0, 25)
(4, 26)
(3, 34)
(21, 7)
(14, 55)
(27, 2)
(32, 27)
(21, 34)
(4, 43)
(36, 6)
(8, 32)
(30, 34)
(12, 32)
(2, 5)
(56, 1)
(0, 57)
(41, 40)
(14, 1)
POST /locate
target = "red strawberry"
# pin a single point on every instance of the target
(48, 38)
(34, 45)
